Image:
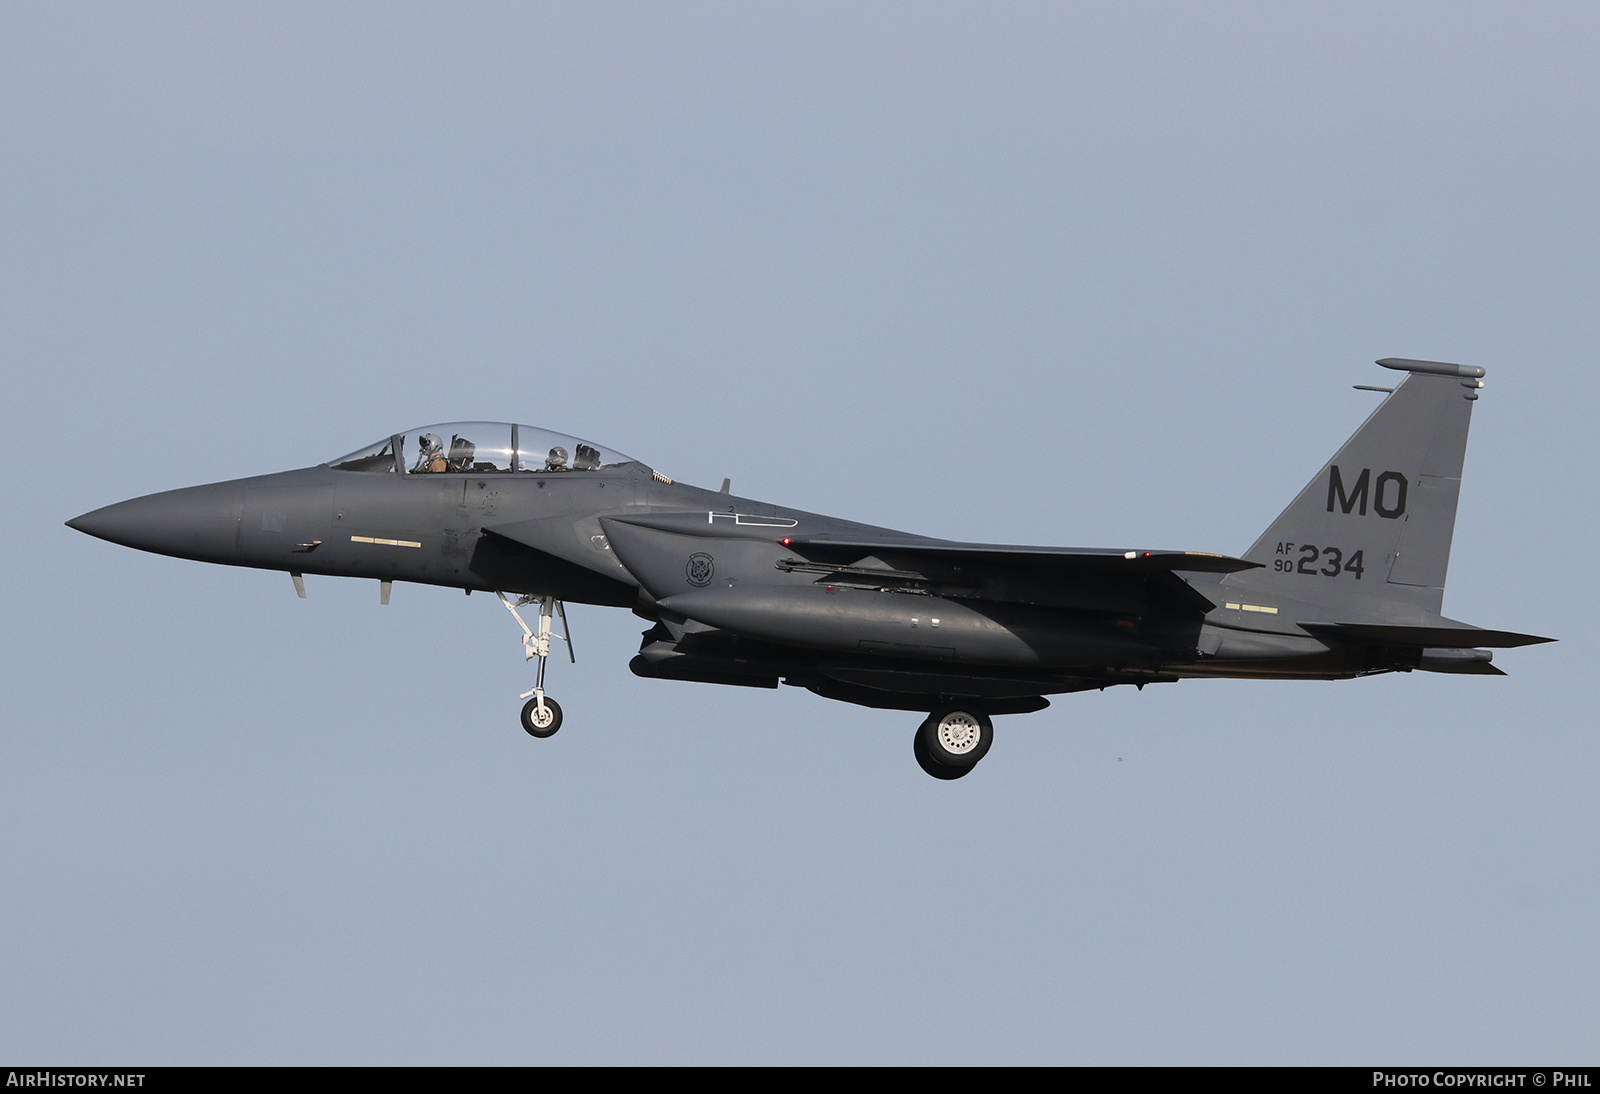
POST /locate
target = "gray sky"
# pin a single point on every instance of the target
(919, 265)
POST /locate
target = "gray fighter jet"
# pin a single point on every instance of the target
(1347, 582)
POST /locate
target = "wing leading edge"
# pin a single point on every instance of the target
(998, 554)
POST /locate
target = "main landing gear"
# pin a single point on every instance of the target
(952, 741)
(541, 715)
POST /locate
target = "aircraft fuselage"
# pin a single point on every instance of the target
(1348, 581)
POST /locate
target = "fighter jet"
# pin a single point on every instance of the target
(1347, 582)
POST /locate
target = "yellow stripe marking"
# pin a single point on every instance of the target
(385, 542)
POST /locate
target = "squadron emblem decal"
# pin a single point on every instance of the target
(700, 569)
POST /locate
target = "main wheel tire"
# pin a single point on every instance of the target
(932, 767)
(537, 726)
(956, 736)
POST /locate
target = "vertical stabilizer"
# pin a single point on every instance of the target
(1370, 534)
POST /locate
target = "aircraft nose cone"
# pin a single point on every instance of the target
(201, 522)
(108, 522)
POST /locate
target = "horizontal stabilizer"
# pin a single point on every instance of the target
(1443, 637)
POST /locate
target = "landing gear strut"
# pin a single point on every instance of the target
(952, 741)
(541, 716)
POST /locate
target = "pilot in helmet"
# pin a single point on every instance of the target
(557, 460)
(431, 456)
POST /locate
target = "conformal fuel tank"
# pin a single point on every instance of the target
(911, 625)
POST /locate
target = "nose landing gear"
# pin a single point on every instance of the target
(541, 716)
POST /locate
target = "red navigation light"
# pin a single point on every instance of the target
(784, 541)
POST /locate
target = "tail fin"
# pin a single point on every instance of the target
(1373, 529)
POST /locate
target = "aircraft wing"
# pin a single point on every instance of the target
(1103, 560)
(1091, 578)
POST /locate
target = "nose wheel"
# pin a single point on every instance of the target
(541, 715)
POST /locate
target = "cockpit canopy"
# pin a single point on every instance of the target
(478, 448)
